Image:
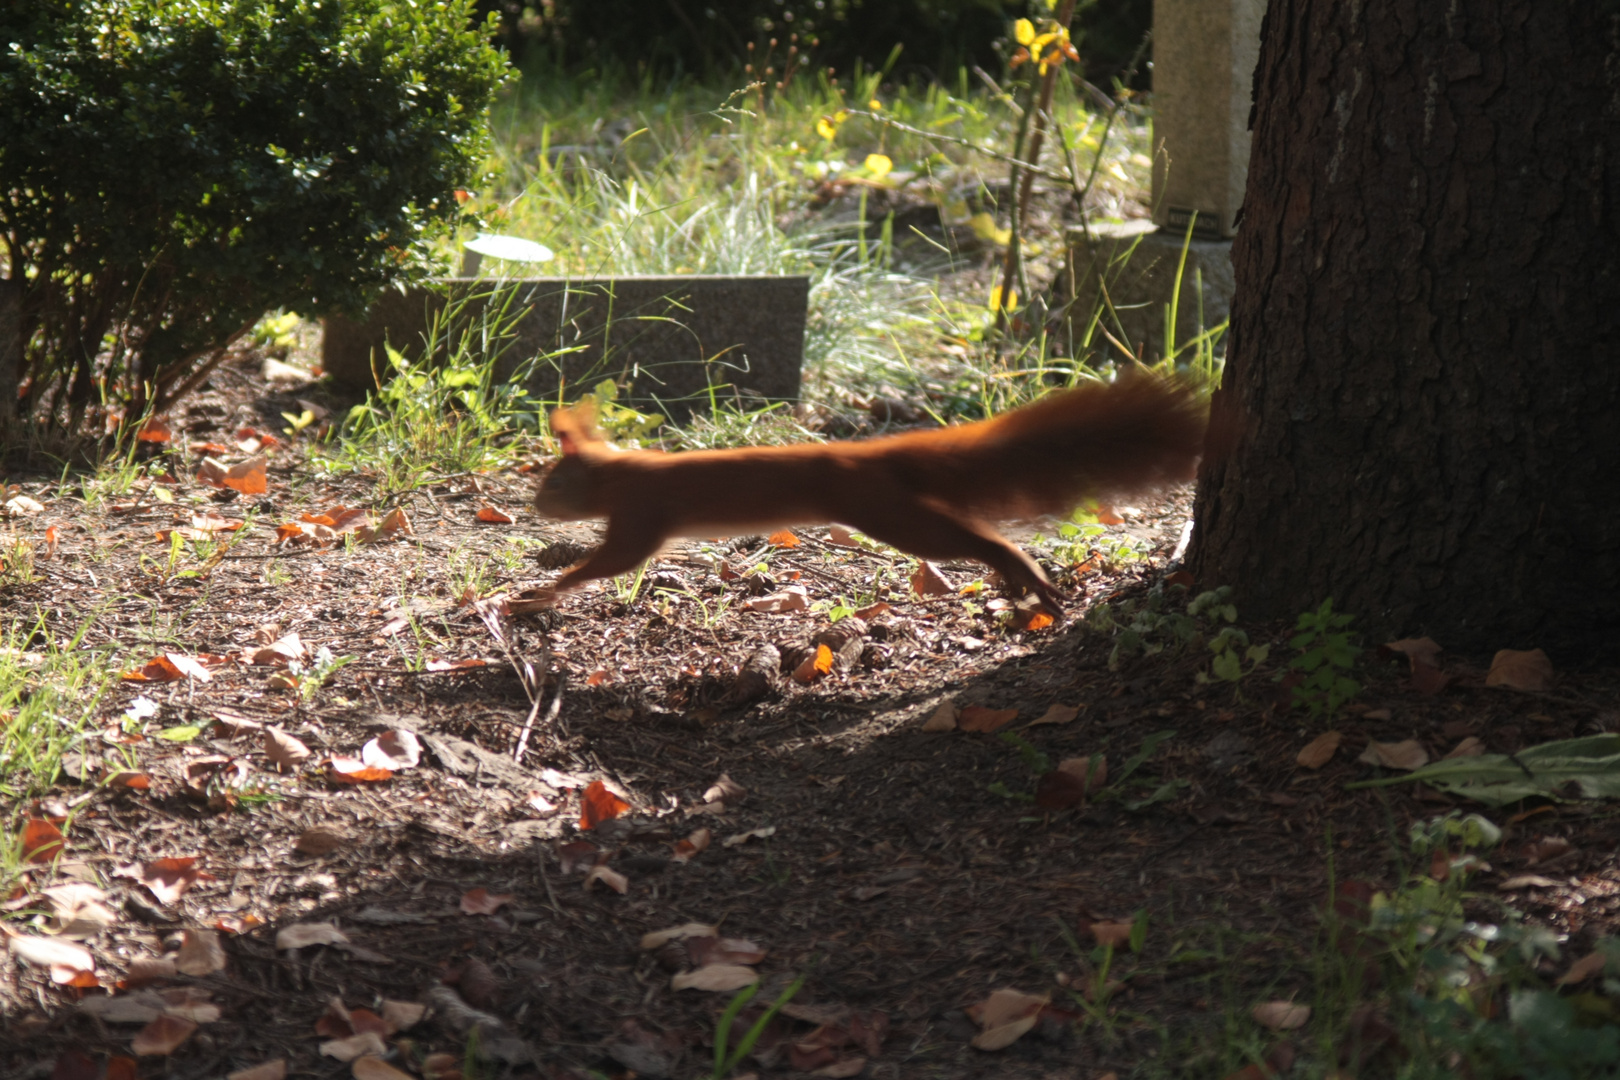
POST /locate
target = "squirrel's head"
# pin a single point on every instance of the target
(566, 488)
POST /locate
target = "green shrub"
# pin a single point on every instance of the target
(172, 169)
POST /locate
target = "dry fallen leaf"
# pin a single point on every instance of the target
(1320, 750)
(815, 666)
(355, 1046)
(268, 1070)
(783, 538)
(929, 580)
(1417, 650)
(716, 978)
(483, 902)
(167, 878)
(284, 751)
(249, 477)
(1006, 1015)
(659, 938)
(707, 951)
(348, 770)
(302, 935)
(792, 598)
(942, 718)
(984, 719)
(1583, 969)
(1406, 755)
(200, 953)
(725, 789)
(402, 1015)
(395, 749)
(694, 843)
(1469, 747)
(1117, 934)
(1056, 714)
(42, 840)
(491, 516)
(607, 876)
(164, 1035)
(597, 804)
(1281, 1015)
(68, 963)
(370, 1067)
(78, 910)
(761, 833)
(1520, 670)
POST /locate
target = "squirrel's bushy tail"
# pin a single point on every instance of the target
(1140, 432)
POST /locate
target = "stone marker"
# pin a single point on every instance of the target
(666, 340)
(1204, 53)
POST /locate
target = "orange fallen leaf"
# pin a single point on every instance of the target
(982, 718)
(158, 669)
(929, 580)
(783, 538)
(597, 804)
(492, 516)
(42, 839)
(1117, 934)
(815, 666)
(692, 845)
(1520, 670)
(1320, 750)
(348, 770)
(155, 430)
(248, 477)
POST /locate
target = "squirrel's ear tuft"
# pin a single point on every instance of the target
(575, 428)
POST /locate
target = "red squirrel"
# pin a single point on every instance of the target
(929, 493)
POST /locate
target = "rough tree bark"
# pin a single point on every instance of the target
(1424, 367)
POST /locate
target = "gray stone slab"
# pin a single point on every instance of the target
(1135, 264)
(668, 341)
(1204, 53)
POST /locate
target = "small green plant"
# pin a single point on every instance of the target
(1327, 654)
(726, 1058)
(16, 561)
(320, 669)
(470, 574)
(1232, 650)
(277, 331)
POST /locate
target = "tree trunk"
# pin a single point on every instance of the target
(1423, 378)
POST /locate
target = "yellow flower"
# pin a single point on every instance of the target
(825, 128)
(875, 105)
(995, 299)
(878, 165)
(1023, 31)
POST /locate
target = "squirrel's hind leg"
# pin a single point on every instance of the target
(930, 530)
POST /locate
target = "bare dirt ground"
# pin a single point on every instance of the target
(902, 874)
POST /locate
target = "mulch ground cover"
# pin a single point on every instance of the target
(294, 878)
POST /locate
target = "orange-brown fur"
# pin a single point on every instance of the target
(930, 493)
